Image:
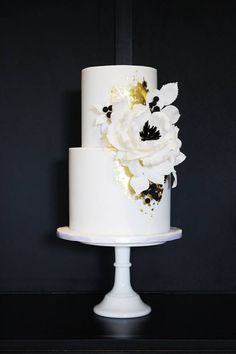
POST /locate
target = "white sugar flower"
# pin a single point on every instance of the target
(144, 137)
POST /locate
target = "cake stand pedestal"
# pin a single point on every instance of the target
(122, 301)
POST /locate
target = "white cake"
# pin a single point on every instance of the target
(119, 180)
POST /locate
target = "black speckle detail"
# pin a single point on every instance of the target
(154, 191)
(144, 83)
(147, 200)
(110, 108)
(149, 133)
(108, 114)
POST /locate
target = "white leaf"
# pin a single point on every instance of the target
(139, 184)
(172, 112)
(169, 93)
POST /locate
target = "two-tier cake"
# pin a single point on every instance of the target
(120, 179)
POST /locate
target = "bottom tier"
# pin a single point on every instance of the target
(100, 204)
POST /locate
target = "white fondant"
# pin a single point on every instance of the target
(99, 204)
(97, 83)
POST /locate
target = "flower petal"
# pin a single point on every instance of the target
(119, 109)
(168, 93)
(154, 176)
(163, 168)
(139, 184)
(157, 157)
(172, 112)
(180, 158)
(101, 119)
(175, 179)
(104, 128)
(135, 168)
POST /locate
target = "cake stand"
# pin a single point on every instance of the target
(122, 301)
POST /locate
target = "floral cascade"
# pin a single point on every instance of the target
(138, 126)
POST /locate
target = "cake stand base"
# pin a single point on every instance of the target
(122, 301)
(122, 307)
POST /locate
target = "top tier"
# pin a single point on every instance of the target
(97, 85)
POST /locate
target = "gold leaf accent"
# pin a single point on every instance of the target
(107, 144)
(129, 175)
(124, 176)
(138, 93)
(119, 92)
(127, 171)
(141, 162)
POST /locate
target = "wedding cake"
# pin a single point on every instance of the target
(120, 179)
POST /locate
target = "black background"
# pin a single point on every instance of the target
(43, 47)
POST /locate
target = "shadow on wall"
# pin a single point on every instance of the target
(71, 138)
(73, 117)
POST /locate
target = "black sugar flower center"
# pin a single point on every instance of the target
(149, 133)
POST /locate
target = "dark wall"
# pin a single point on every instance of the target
(43, 47)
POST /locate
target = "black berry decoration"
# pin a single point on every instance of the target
(156, 109)
(108, 111)
(153, 105)
(149, 133)
(105, 109)
(155, 99)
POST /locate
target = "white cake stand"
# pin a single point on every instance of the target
(122, 301)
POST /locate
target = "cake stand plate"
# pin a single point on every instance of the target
(122, 301)
(119, 240)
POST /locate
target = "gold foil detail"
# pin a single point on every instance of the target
(107, 144)
(149, 198)
(119, 92)
(138, 93)
(123, 177)
(141, 162)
